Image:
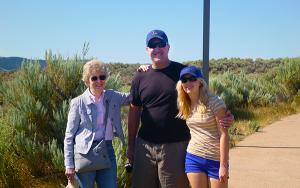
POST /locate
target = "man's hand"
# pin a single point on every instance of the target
(143, 68)
(227, 121)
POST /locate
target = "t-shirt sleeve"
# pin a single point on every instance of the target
(216, 104)
(134, 92)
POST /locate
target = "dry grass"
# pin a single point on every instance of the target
(248, 121)
(268, 115)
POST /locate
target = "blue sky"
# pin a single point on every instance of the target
(116, 29)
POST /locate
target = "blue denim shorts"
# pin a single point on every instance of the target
(194, 163)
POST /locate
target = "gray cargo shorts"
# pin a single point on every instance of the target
(159, 165)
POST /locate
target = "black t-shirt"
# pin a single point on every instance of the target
(155, 91)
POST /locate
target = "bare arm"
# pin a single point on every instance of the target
(133, 125)
(224, 147)
(227, 120)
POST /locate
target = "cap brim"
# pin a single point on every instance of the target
(156, 37)
(182, 75)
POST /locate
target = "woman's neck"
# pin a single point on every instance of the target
(194, 99)
(97, 94)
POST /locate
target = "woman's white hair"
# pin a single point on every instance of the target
(93, 67)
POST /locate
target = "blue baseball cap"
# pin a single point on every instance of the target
(192, 70)
(156, 34)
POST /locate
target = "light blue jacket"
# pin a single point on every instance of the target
(82, 118)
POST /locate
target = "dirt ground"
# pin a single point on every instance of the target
(269, 158)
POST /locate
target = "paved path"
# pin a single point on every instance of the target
(269, 158)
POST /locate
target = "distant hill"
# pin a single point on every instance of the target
(8, 64)
(217, 66)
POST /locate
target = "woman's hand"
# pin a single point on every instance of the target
(223, 174)
(143, 68)
(70, 173)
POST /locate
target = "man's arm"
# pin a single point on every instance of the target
(133, 125)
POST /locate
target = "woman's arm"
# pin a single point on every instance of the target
(224, 147)
(122, 98)
(125, 101)
(71, 129)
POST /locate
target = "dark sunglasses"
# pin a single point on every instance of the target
(95, 78)
(160, 44)
(186, 79)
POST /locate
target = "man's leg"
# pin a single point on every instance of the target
(171, 165)
(144, 166)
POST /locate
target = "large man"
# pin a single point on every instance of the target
(158, 152)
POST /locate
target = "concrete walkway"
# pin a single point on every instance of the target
(269, 158)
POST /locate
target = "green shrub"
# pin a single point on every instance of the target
(36, 103)
(260, 97)
(254, 126)
(230, 96)
(114, 82)
(124, 178)
(9, 169)
(287, 76)
(57, 156)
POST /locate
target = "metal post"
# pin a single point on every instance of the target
(206, 15)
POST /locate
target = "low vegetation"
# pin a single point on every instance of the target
(34, 103)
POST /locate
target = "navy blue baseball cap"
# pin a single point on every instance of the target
(156, 34)
(192, 70)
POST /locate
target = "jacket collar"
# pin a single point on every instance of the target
(88, 100)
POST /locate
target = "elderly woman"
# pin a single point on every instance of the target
(86, 127)
(206, 162)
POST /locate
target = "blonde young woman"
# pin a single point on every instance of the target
(206, 161)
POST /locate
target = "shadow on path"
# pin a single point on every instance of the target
(268, 147)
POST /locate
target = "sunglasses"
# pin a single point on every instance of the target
(160, 44)
(186, 79)
(95, 78)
